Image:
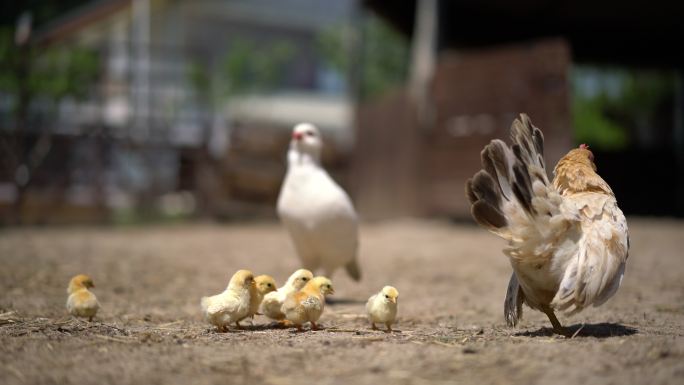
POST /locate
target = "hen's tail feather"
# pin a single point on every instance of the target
(488, 216)
(483, 187)
(498, 163)
(522, 187)
(485, 197)
(513, 303)
(514, 175)
(530, 139)
(492, 186)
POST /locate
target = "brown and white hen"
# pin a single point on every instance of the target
(567, 239)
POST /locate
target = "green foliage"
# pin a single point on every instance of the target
(53, 72)
(332, 45)
(385, 56)
(247, 67)
(7, 59)
(594, 127)
(199, 78)
(618, 100)
(61, 71)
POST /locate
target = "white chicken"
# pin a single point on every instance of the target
(567, 240)
(316, 211)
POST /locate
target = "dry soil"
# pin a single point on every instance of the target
(451, 278)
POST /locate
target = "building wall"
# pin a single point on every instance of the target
(402, 168)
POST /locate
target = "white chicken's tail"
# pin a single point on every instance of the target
(353, 270)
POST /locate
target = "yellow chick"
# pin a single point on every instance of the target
(382, 307)
(81, 302)
(307, 304)
(233, 304)
(273, 302)
(264, 284)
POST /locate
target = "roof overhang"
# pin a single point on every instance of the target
(632, 33)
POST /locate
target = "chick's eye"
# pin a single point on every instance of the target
(309, 133)
(386, 296)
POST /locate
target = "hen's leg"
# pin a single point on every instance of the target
(557, 327)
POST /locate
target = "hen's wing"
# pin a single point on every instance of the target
(596, 272)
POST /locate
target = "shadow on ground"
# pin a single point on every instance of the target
(344, 301)
(602, 330)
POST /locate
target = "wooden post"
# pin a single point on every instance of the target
(423, 60)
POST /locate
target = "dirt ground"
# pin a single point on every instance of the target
(451, 278)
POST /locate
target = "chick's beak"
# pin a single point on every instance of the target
(297, 136)
(332, 291)
(394, 300)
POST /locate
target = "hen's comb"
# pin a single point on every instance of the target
(584, 146)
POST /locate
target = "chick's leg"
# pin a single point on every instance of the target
(389, 328)
(373, 326)
(314, 326)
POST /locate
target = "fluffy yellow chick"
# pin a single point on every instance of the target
(382, 307)
(273, 302)
(264, 285)
(307, 304)
(81, 302)
(233, 304)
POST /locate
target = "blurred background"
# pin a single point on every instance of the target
(135, 111)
